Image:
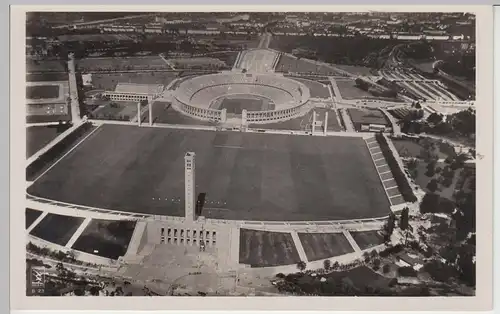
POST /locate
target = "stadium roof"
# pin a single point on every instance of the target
(132, 88)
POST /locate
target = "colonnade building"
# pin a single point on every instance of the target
(135, 92)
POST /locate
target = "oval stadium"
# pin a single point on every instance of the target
(262, 97)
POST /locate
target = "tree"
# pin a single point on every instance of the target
(94, 290)
(432, 185)
(327, 264)
(447, 182)
(430, 203)
(389, 227)
(301, 265)
(336, 265)
(434, 118)
(431, 166)
(366, 256)
(386, 268)
(404, 220)
(79, 292)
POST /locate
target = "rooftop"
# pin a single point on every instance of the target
(139, 88)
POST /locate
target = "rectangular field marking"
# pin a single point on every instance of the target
(36, 222)
(392, 187)
(68, 152)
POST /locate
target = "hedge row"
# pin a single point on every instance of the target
(56, 151)
(400, 178)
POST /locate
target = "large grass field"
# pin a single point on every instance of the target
(324, 245)
(250, 175)
(265, 249)
(237, 103)
(39, 136)
(106, 238)
(57, 228)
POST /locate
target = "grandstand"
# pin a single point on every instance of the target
(257, 60)
(134, 92)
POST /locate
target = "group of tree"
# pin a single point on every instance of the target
(433, 203)
(462, 123)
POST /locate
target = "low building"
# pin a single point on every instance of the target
(135, 92)
(405, 260)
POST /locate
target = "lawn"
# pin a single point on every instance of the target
(109, 238)
(46, 65)
(57, 228)
(38, 113)
(265, 249)
(367, 239)
(42, 91)
(354, 69)
(31, 215)
(290, 64)
(317, 89)
(251, 175)
(123, 64)
(39, 136)
(415, 148)
(348, 90)
(324, 245)
(115, 111)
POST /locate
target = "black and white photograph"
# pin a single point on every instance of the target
(252, 154)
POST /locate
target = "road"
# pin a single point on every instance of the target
(104, 21)
(73, 90)
(265, 40)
